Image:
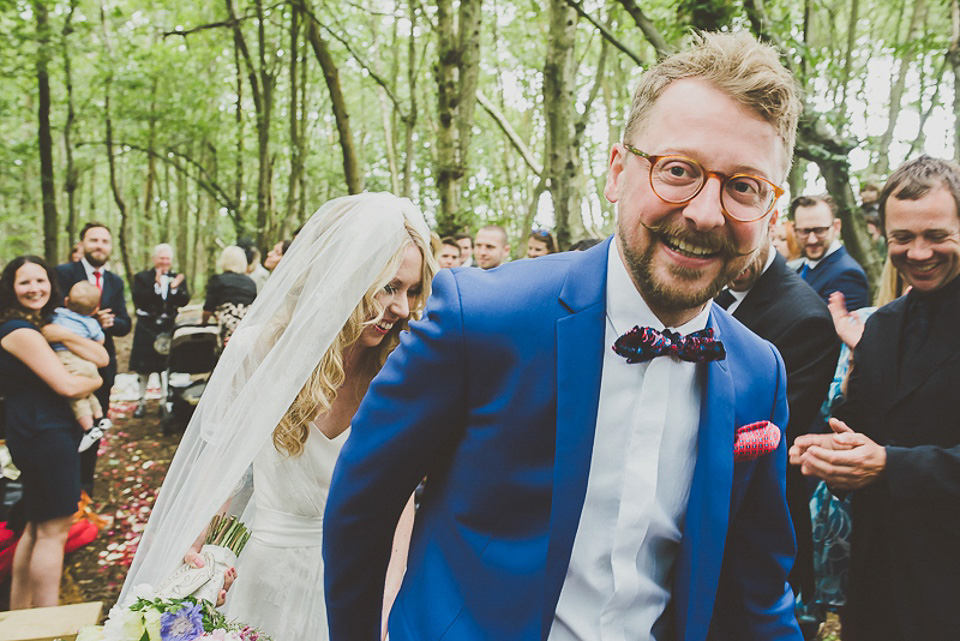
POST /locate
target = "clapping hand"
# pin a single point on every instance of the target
(848, 325)
(105, 317)
(177, 281)
(846, 460)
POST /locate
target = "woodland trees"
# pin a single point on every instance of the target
(198, 123)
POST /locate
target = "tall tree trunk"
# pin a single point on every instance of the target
(72, 179)
(262, 83)
(45, 139)
(562, 159)
(302, 137)
(151, 178)
(411, 119)
(238, 116)
(848, 55)
(882, 166)
(457, 73)
(111, 161)
(296, 145)
(351, 168)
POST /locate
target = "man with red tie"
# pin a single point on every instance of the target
(97, 244)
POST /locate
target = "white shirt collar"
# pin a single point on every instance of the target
(834, 246)
(87, 267)
(626, 307)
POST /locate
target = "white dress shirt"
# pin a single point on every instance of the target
(834, 246)
(618, 582)
(89, 269)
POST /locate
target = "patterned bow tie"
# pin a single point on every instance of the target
(643, 343)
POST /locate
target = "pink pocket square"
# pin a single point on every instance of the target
(754, 440)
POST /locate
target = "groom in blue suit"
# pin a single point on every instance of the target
(585, 481)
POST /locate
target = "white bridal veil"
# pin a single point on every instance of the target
(295, 318)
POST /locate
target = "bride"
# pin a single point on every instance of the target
(277, 409)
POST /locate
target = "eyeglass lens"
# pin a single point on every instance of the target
(678, 179)
(819, 232)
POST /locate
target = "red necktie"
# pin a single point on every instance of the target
(99, 284)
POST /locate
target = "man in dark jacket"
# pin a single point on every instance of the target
(97, 244)
(157, 294)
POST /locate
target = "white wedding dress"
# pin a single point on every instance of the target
(279, 586)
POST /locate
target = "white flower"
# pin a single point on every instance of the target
(143, 591)
(90, 633)
(123, 625)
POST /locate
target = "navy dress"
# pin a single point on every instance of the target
(42, 436)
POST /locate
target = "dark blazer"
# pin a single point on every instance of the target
(493, 397)
(905, 557)
(146, 298)
(840, 272)
(113, 298)
(784, 310)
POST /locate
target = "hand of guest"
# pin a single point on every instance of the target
(177, 281)
(847, 324)
(192, 557)
(105, 317)
(846, 460)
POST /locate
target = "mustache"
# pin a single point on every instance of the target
(712, 241)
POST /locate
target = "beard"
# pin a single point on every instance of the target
(95, 261)
(662, 296)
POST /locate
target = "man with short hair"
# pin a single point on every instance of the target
(97, 243)
(491, 249)
(465, 241)
(827, 267)
(588, 478)
(449, 254)
(896, 440)
(157, 294)
(772, 300)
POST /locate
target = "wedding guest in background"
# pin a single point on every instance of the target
(255, 270)
(896, 442)
(275, 254)
(465, 241)
(449, 254)
(229, 293)
(491, 249)
(158, 294)
(97, 243)
(827, 267)
(540, 243)
(41, 431)
(584, 244)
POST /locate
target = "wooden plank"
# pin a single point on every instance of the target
(48, 624)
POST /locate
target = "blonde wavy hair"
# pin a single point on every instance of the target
(320, 391)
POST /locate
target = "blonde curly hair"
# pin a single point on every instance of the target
(320, 391)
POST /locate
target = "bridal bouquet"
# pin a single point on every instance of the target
(182, 608)
(158, 619)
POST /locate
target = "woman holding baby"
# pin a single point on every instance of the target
(42, 431)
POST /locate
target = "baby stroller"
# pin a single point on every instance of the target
(193, 350)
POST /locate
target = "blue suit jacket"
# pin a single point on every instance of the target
(493, 397)
(840, 272)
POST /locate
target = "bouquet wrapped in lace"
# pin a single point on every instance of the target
(225, 539)
(182, 607)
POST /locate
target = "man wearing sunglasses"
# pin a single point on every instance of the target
(827, 267)
(602, 444)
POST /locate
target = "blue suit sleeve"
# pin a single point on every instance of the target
(754, 601)
(852, 283)
(406, 426)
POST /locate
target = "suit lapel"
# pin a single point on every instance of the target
(580, 352)
(697, 571)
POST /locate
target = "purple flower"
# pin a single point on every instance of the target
(185, 624)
